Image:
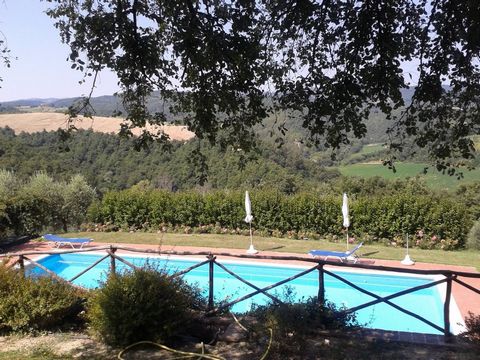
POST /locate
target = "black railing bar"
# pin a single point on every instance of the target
(55, 252)
(387, 298)
(213, 253)
(398, 294)
(311, 260)
(51, 273)
(248, 283)
(13, 263)
(126, 262)
(47, 270)
(263, 289)
(260, 257)
(468, 286)
(88, 268)
(183, 272)
(406, 271)
(408, 312)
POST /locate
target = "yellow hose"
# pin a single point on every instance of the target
(265, 354)
(163, 347)
(186, 354)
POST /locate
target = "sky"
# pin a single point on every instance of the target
(41, 69)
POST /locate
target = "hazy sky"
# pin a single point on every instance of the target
(41, 70)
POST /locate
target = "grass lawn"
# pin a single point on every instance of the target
(433, 179)
(368, 149)
(373, 251)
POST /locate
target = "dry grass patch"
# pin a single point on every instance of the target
(37, 122)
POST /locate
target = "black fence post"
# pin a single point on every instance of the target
(321, 285)
(112, 260)
(446, 310)
(21, 263)
(210, 281)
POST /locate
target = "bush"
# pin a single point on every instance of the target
(301, 317)
(292, 321)
(39, 303)
(472, 323)
(145, 304)
(473, 238)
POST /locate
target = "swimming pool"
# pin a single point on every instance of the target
(427, 302)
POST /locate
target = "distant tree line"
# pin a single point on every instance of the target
(110, 163)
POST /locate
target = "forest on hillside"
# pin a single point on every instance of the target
(109, 162)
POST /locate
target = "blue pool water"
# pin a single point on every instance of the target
(426, 303)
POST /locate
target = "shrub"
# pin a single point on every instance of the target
(301, 317)
(472, 323)
(36, 303)
(292, 321)
(473, 238)
(145, 304)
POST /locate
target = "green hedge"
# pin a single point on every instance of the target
(375, 216)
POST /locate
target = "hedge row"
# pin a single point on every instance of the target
(378, 217)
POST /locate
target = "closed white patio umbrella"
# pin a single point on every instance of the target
(346, 218)
(249, 219)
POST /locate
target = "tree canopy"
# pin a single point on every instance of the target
(226, 64)
(4, 53)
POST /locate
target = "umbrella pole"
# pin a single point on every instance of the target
(251, 250)
(407, 260)
(251, 237)
(347, 238)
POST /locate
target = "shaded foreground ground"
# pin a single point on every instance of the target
(72, 345)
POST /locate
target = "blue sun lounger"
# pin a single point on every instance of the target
(57, 241)
(342, 256)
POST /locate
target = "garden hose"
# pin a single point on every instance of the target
(265, 354)
(202, 355)
(187, 354)
(164, 347)
(238, 322)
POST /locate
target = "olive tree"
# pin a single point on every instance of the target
(42, 203)
(77, 195)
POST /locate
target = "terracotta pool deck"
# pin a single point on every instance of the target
(466, 300)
